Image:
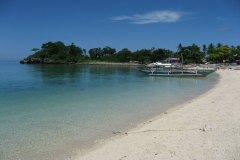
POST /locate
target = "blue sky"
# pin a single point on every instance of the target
(135, 24)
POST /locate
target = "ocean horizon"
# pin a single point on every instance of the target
(52, 112)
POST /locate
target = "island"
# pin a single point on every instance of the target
(59, 53)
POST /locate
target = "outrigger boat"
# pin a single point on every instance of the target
(168, 69)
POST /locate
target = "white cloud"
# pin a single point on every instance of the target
(152, 17)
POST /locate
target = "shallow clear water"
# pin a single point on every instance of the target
(51, 112)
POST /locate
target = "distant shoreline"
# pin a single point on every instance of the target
(111, 63)
(91, 63)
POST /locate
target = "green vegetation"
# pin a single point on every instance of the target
(55, 52)
(58, 52)
(191, 54)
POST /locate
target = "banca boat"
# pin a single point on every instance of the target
(168, 69)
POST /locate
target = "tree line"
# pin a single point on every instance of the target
(58, 52)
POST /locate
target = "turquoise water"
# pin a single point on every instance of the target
(51, 112)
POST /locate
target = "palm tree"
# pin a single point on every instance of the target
(179, 50)
(205, 50)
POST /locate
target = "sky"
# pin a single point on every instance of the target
(133, 24)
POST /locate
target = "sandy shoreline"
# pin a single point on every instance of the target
(207, 127)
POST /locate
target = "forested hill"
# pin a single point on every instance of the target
(58, 52)
(55, 52)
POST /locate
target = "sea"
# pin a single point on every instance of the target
(53, 112)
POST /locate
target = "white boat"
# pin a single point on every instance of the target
(167, 69)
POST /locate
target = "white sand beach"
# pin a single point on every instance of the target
(207, 127)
